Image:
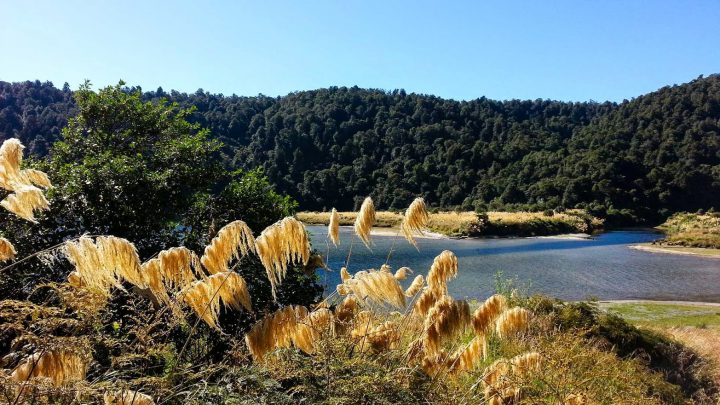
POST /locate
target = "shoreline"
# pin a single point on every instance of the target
(677, 250)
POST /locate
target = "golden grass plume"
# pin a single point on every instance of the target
(445, 320)
(61, 367)
(365, 221)
(25, 201)
(233, 241)
(127, 397)
(286, 241)
(512, 321)
(345, 310)
(380, 287)
(11, 154)
(204, 296)
(415, 220)
(526, 363)
(382, 337)
(102, 263)
(172, 269)
(444, 267)
(402, 273)
(427, 300)
(466, 359)
(415, 287)
(275, 330)
(344, 274)
(485, 315)
(7, 250)
(334, 227)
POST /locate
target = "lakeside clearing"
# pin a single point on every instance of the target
(469, 223)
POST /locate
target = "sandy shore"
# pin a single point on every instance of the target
(395, 231)
(571, 236)
(679, 250)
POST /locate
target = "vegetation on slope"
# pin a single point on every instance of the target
(639, 160)
(692, 230)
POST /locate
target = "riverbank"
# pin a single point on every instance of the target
(490, 224)
(677, 250)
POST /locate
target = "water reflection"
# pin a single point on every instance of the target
(603, 267)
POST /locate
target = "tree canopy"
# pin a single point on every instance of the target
(635, 161)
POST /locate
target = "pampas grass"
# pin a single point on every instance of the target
(173, 269)
(402, 273)
(468, 358)
(101, 264)
(345, 311)
(486, 314)
(415, 220)
(204, 296)
(274, 331)
(344, 275)
(26, 197)
(426, 301)
(527, 363)
(365, 221)
(7, 250)
(379, 287)
(334, 227)
(444, 267)
(382, 338)
(25, 201)
(512, 321)
(61, 367)
(233, 241)
(445, 320)
(284, 242)
(417, 284)
(11, 154)
(127, 397)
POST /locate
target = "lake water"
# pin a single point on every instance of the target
(603, 267)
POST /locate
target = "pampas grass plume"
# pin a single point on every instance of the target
(512, 321)
(527, 363)
(365, 221)
(415, 219)
(233, 241)
(445, 320)
(485, 315)
(7, 250)
(402, 273)
(334, 227)
(61, 367)
(25, 201)
(284, 242)
(415, 286)
(344, 275)
(444, 267)
(380, 287)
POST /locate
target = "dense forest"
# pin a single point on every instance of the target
(635, 161)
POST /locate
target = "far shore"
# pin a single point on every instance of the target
(678, 250)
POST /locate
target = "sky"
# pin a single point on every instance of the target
(575, 50)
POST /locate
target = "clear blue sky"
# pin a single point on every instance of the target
(567, 50)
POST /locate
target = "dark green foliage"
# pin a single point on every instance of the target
(139, 170)
(637, 161)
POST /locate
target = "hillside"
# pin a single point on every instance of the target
(636, 161)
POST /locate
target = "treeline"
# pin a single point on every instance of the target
(636, 161)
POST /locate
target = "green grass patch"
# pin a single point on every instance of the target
(667, 315)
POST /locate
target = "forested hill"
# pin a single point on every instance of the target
(638, 160)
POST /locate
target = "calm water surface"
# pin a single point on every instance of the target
(603, 267)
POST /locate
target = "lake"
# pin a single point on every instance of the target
(571, 269)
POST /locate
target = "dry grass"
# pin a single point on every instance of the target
(692, 230)
(460, 223)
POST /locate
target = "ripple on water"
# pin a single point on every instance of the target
(570, 269)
